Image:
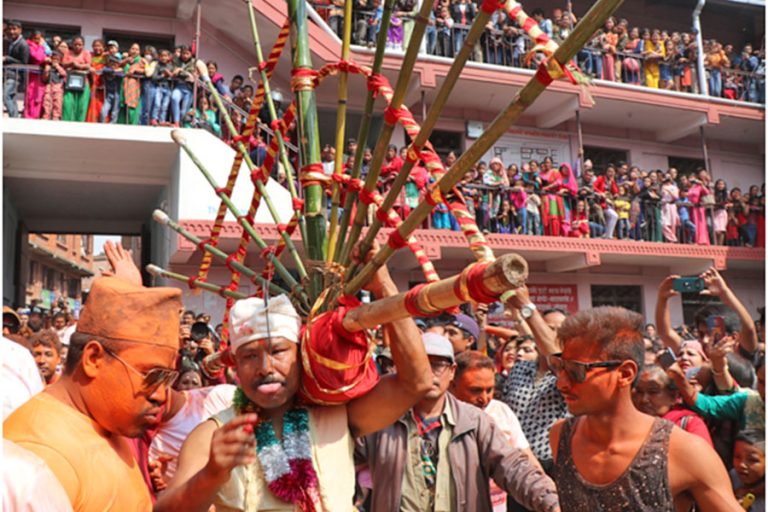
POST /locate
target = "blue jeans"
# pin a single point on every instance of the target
(522, 220)
(161, 102)
(534, 224)
(623, 229)
(147, 101)
(584, 58)
(111, 107)
(431, 39)
(459, 35)
(596, 230)
(715, 83)
(181, 99)
(9, 93)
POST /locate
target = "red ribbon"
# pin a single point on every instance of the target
(542, 74)
(229, 260)
(476, 286)
(298, 203)
(396, 240)
(392, 115)
(490, 6)
(366, 196)
(376, 82)
(208, 241)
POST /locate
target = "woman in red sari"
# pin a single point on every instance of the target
(98, 61)
(695, 193)
(33, 99)
(555, 210)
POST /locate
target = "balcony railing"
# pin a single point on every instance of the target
(508, 48)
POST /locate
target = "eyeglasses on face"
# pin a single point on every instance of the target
(577, 370)
(151, 380)
(439, 367)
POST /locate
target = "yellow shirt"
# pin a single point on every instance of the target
(96, 469)
(622, 208)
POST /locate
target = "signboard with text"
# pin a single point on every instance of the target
(521, 146)
(548, 296)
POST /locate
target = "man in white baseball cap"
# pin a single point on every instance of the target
(442, 453)
(286, 456)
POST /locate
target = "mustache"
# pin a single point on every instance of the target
(269, 379)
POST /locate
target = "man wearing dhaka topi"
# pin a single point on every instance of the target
(284, 456)
(115, 383)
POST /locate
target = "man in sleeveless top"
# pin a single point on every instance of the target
(303, 457)
(610, 456)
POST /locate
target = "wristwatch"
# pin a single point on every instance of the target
(527, 310)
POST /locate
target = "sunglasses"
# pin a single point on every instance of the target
(151, 380)
(576, 370)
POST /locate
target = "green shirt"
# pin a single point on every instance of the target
(746, 407)
(416, 495)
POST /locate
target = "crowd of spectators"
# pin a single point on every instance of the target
(623, 202)
(63, 80)
(618, 52)
(707, 377)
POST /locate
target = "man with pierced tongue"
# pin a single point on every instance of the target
(267, 452)
(116, 380)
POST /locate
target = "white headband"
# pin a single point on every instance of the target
(250, 319)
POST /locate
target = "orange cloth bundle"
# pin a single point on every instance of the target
(337, 365)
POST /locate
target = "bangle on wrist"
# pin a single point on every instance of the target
(721, 372)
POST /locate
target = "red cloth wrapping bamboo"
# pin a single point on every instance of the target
(337, 365)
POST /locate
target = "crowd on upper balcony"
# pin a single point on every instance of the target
(623, 202)
(618, 52)
(63, 80)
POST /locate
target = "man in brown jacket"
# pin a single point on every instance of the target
(441, 454)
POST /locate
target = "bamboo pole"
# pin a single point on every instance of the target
(282, 151)
(162, 218)
(226, 292)
(506, 273)
(385, 136)
(365, 126)
(581, 34)
(308, 135)
(341, 119)
(475, 31)
(202, 69)
(287, 277)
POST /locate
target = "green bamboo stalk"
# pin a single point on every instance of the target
(202, 69)
(584, 30)
(162, 218)
(365, 126)
(475, 31)
(178, 137)
(282, 150)
(341, 120)
(309, 139)
(161, 272)
(385, 136)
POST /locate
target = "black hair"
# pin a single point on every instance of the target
(470, 360)
(184, 48)
(741, 370)
(554, 310)
(752, 437)
(188, 312)
(14, 23)
(537, 12)
(46, 338)
(617, 331)
(237, 77)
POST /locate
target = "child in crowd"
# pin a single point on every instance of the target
(113, 79)
(162, 76)
(54, 76)
(622, 206)
(748, 473)
(533, 207)
(518, 196)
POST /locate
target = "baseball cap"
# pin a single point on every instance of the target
(11, 319)
(437, 345)
(112, 42)
(467, 324)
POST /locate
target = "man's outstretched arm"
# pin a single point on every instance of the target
(394, 394)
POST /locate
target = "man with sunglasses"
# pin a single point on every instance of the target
(443, 453)
(114, 386)
(610, 456)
